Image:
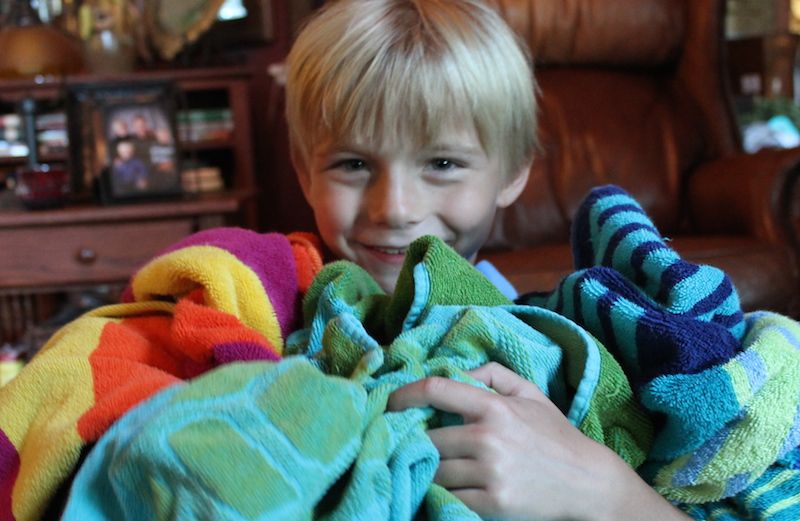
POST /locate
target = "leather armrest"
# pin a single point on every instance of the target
(750, 193)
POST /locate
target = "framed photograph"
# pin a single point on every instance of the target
(123, 141)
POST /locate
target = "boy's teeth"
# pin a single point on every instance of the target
(392, 251)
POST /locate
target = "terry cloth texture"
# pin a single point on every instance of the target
(309, 437)
(771, 497)
(497, 278)
(726, 386)
(218, 296)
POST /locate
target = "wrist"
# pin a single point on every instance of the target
(630, 497)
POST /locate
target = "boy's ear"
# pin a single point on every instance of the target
(514, 188)
(301, 171)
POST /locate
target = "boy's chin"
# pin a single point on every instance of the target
(384, 274)
(386, 282)
(386, 279)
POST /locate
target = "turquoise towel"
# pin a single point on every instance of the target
(346, 362)
(228, 445)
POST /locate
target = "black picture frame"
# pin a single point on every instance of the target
(123, 141)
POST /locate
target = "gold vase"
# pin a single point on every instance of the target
(32, 48)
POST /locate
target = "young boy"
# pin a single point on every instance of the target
(412, 117)
(398, 130)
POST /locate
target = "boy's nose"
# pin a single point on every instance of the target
(394, 202)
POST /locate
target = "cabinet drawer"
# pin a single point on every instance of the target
(83, 253)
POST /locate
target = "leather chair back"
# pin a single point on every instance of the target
(631, 93)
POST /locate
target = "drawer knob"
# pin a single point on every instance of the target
(86, 256)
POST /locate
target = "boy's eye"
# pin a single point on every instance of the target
(443, 164)
(350, 165)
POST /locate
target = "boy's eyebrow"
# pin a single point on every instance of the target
(336, 148)
(454, 148)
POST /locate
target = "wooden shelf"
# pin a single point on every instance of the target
(192, 79)
(223, 203)
(21, 160)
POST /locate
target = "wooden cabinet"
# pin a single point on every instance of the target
(81, 246)
(85, 244)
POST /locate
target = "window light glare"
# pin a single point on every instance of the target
(232, 10)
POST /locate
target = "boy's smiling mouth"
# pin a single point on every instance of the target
(393, 255)
(389, 254)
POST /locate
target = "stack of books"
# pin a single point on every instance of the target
(199, 178)
(208, 124)
(51, 133)
(12, 140)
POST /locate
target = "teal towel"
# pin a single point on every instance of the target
(345, 363)
(247, 441)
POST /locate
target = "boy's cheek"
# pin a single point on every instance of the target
(468, 210)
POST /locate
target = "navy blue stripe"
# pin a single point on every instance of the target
(614, 210)
(638, 256)
(728, 321)
(604, 305)
(670, 344)
(605, 191)
(671, 276)
(576, 298)
(714, 299)
(619, 236)
(615, 281)
(580, 234)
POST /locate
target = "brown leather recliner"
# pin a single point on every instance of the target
(633, 93)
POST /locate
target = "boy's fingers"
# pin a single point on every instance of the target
(442, 394)
(460, 473)
(506, 382)
(453, 442)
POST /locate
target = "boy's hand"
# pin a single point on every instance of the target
(517, 457)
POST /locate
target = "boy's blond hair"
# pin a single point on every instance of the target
(375, 69)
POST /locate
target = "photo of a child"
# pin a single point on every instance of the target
(130, 173)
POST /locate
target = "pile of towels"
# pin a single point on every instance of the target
(242, 379)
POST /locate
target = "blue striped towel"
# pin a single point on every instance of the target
(726, 385)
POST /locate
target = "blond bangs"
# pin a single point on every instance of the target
(402, 98)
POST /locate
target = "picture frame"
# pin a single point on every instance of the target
(123, 141)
